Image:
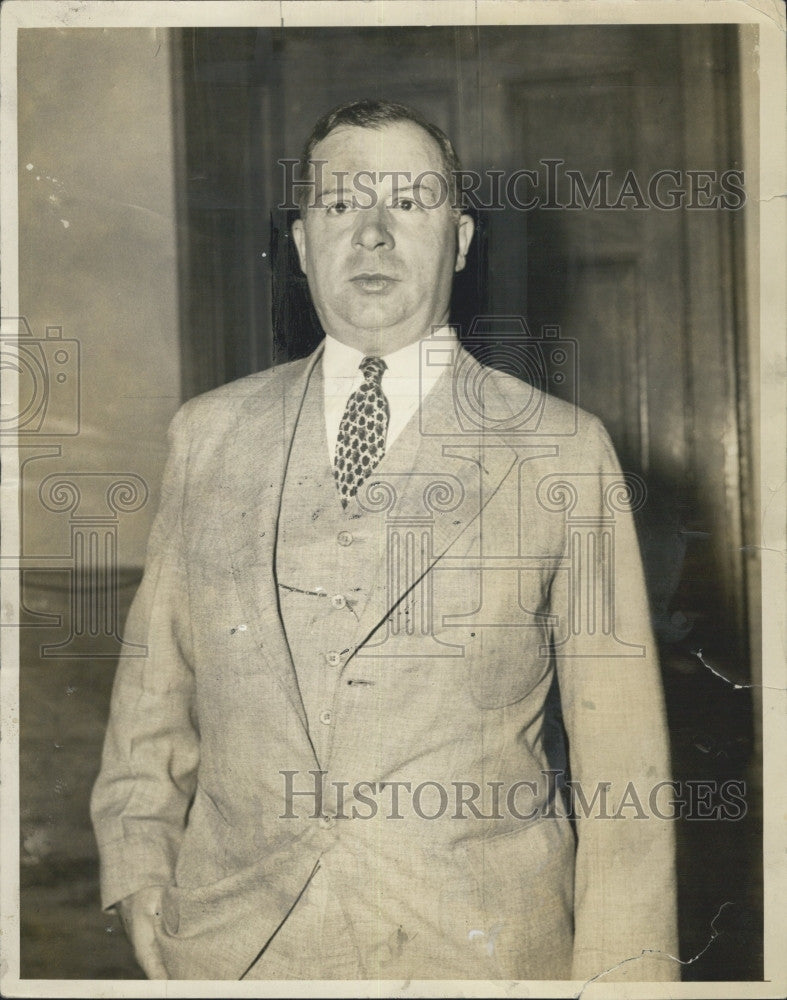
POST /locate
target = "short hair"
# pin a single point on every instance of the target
(374, 115)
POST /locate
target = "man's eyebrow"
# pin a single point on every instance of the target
(400, 189)
(347, 190)
(419, 182)
(332, 191)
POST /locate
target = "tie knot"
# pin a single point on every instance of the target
(373, 369)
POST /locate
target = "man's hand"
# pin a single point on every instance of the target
(139, 914)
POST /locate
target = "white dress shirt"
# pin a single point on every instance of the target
(405, 382)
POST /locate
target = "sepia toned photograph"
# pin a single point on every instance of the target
(393, 436)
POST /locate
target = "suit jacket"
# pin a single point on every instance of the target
(529, 560)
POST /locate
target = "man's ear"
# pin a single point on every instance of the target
(464, 234)
(299, 238)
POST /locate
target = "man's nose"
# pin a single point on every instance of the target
(373, 231)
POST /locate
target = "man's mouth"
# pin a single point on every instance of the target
(373, 281)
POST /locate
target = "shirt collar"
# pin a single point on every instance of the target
(341, 361)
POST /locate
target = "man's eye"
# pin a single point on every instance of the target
(406, 204)
(339, 207)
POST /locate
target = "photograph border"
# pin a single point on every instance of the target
(765, 282)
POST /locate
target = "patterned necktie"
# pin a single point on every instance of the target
(361, 441)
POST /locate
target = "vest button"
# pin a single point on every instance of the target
(344, 538)
(333, 659)
(325, 718)
(338, 601)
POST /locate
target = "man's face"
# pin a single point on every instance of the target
(379, 260)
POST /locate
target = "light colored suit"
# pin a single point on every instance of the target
(484, 565)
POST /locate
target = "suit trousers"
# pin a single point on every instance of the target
(315, 941)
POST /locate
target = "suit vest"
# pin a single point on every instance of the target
(325, 568)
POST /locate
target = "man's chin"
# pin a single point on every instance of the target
(376, 321)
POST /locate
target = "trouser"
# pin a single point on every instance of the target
(315, 941)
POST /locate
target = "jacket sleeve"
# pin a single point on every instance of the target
(614, 714)
(148, 770)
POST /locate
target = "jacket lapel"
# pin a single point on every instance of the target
(439, 476)
(254, 467)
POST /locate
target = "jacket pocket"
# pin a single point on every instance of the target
(506, 664)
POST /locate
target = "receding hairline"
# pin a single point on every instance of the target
(380, 127)
(376, 116)
(375, 127)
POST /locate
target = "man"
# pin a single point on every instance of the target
(378, 579)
